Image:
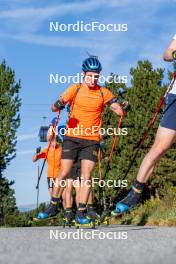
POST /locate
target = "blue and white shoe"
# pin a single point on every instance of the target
(81, 218)
(129, 202)
(51, 211)
(120, 209)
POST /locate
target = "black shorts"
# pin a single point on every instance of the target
(80, 149)
(169, 118)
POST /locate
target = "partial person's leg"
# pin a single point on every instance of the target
(68, 193)
(90, 199)
(66, 166)
(163, 141)
(52, 209)
(92, 214)
(50, 186)
(63, 198)
(87, 167)
(68, 215)
(77, 187)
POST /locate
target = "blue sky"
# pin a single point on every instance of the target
(34, 52)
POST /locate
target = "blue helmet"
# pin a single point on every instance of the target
(53, 121)
(91, 64)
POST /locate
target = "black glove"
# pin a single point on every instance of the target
(59, 105)
(126, 106)
(38, 150)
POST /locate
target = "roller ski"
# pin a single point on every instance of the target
(93, 216)
(105, 217)
(106, 212)
(82, 220)
(49, 215)
(68, 219)
(40, 220)
(130, 201)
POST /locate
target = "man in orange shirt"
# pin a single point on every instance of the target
(82, 138)
(53, 158)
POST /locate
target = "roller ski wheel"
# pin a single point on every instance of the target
(105, 217)
(88, 225)
(49, 220)
(30, 222)
(53, 222)
(69, 224)
(68, 219)
(43, 222)
(106, 221)
(82, 220)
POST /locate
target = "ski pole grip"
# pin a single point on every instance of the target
(126, 106)
(59, 105)
(174, 55)
(38, 150)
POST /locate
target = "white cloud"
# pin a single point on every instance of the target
(63, 9)
(25, 152)
(110, 47)
(23, 137)
(38, 39)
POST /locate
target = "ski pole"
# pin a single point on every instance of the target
(151, 124)
(109, 160)
(38, 169)
(43, 165)
(100, 175)
(113, 144)
(126, 108)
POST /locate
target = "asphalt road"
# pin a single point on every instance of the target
(113, 244)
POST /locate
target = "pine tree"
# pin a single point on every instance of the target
(10, 121)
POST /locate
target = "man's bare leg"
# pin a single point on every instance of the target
(63, 198)
(66, 166)
(163, 141)
(87, 167)
(52, 209)
(90, 199)
(68, 193)
(77, 189)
